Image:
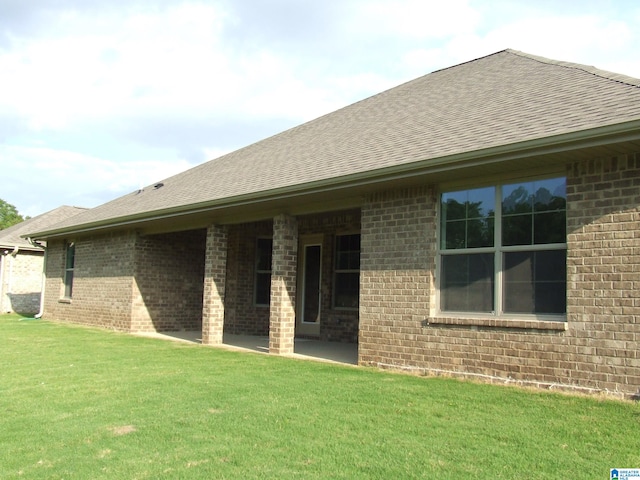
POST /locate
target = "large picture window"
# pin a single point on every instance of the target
(69, 267)
(264, 247)
(503, 249)
(347, 271)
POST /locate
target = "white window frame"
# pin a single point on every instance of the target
(498, 250)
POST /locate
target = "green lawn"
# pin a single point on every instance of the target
(84, 403)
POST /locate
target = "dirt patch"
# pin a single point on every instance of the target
(123, 430)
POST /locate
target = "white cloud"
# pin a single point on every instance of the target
(211, 153)
(106, 97)
(419, 19)
(33, 177)
(147, 62)
(167, 63)
(584, 39)
(561, 37)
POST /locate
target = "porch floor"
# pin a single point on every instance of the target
(336, 352)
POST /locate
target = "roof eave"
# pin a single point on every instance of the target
(597, 136)
(5, 246)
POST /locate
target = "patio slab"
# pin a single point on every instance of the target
(336, 352)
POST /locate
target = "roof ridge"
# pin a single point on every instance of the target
(606, 74)
(426, 124)
(468, 61)
(620, 78)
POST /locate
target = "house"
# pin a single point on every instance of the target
(480, 221)
(21, 262)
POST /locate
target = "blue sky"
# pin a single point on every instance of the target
(100, 98)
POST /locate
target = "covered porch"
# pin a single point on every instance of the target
(286, 286)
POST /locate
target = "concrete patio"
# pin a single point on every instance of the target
(336, 352)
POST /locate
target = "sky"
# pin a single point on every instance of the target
(99, 98)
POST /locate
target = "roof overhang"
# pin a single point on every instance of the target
(18, 248)
(551, 152)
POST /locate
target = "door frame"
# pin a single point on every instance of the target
(302, 327)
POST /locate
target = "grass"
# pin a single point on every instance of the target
(82, 403)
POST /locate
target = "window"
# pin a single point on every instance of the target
(70, 260)
(264, 248)
(503, 249)
(347, 271)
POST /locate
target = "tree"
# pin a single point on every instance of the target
(9, 215)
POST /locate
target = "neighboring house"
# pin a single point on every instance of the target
(479, 221)
(21, 262)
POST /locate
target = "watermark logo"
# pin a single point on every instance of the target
(624, 474)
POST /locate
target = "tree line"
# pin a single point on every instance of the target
(9, 215)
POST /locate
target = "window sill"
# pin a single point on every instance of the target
(64, 300)
(499, 323)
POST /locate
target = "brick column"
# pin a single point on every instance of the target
(282, 313)
(215, 270)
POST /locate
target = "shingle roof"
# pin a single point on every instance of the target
(500, 99)
(11, 237)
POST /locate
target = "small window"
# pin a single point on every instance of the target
(70, 260)
(346, 285)
(264, 247)
(503, 249)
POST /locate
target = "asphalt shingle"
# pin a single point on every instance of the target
(500, 99)
(12, 236)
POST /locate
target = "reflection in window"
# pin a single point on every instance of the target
(534, 213)
(347, 271)
(518, 251)
(467, 218)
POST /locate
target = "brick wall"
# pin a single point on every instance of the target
(603, 269)
(21, 282)
(335, 324)
(242, 316)
(102, 283)
(282, 309)
(215, 271)
(397, 257)
(169, 282)
(595, 350)
(129, 282)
